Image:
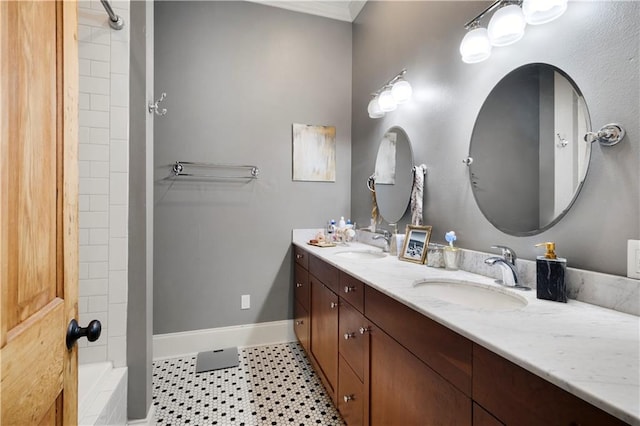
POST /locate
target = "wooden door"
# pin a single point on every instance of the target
(38, 211)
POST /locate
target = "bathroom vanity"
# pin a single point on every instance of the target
(388, 354)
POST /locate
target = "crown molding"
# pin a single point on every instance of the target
(342, 10)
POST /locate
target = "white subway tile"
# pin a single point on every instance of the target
(94, 118)
(93, 353)
(84, 133)
(98, 303)
(94, 254)
(98, 270)
(118, 221)
(117, 319)
(84, 67)
(120, 90)
(94, 186)
(99, 169)
(97, 85)
(119, 156)
(84, 167)
(100, 137)
(84, 101)
(84, 34)
(120, 57)
(93, 51)
(119, 189)
(118, 254)
(83, 271)
(98, 236)
(83, 304)
(118, 286)
(93, 287)
(83, 203)
(117, 351)
(119, 124)
(94, 220)
(93, 152)
(98, 102)
(83, 238)
(101, 35)
(99, 203)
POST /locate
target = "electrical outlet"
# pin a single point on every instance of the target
(245, 301)
(633, 259)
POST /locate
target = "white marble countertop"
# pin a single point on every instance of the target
(591, 352)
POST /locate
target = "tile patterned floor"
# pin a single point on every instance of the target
(273, 385)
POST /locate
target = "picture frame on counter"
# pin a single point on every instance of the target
(416, 241)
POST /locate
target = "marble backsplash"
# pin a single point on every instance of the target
(621, 294)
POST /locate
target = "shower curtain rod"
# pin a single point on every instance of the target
(115, 21)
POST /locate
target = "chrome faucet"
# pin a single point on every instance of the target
(387, 239)
(507, 262)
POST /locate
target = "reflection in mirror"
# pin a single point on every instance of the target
(529, 157)
(393, 174)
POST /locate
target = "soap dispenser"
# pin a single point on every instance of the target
(550, 275)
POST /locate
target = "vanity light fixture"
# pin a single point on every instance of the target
(396, 91)
(506, 26)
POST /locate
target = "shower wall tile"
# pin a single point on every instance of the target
(103, 170)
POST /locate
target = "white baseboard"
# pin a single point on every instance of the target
(147, 421)
(173, 345)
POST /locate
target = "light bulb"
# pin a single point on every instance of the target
(386, 101)
(475, 46)
(374, 109)
(401, 91)
(538, 12)
(506, 25)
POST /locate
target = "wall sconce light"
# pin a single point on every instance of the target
(506, 26)
(393, 93)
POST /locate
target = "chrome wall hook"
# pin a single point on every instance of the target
(467, 161)
(154, 107)
(608, 135)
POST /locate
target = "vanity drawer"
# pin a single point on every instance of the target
(301, 286)
(445, 351)
(352, 290)
(301, 326)
(325, 273)
(352, 341)
(301, 257)
(350, 395)
(517, 397)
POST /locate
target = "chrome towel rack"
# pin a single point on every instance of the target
(181, 168)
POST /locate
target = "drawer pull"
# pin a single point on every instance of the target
(299, 322)
(348, 336)
(348, 398)
(298, 285)
(334, 305)
(299, 256)
(348, 289)
(363, 330)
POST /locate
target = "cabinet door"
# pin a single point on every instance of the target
(301, 286)
(324, 331)
(350, 395)
(301, 325)
(404, 391)
(482, 417)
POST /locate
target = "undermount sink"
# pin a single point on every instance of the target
(469, 294)
(361, 254)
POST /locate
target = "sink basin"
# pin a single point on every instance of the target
(361, 254)
(471, 295)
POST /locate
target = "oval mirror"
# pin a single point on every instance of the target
(393, 174)
(529, 156)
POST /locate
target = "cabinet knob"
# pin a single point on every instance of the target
(299, 322)
(363, 330)
(348, 289)
(299, 256)
(298, 285)
(347, 398)
(334, 305)
(348, 336)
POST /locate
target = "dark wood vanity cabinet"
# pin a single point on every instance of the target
(383, 363)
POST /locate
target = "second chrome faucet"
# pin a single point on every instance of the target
(507, 263)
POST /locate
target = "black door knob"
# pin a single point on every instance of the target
(91, 332)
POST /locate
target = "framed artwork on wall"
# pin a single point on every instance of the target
(415, 244)
(314, 153)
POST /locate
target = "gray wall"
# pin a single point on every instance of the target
(424, 37)
(140, 290)
(237, 75)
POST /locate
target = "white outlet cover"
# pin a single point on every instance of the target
(633, 259)
(245, 301)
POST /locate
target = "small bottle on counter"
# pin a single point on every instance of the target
(550, 275)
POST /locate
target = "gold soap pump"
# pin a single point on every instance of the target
(550, 275)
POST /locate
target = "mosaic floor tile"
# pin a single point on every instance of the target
(272, 385)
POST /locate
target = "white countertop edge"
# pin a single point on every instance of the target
(619, 399)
